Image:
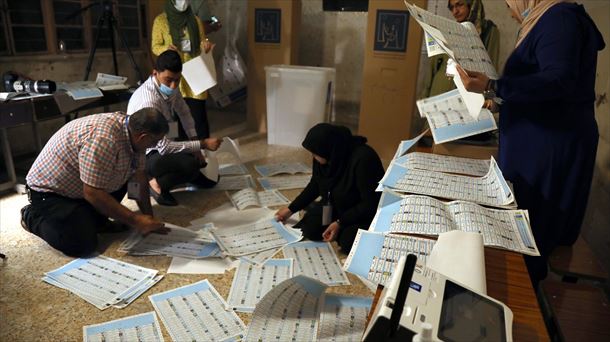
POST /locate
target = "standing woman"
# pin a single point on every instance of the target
(178, 29)
(345, 174)
(473, 11)
(548, 132)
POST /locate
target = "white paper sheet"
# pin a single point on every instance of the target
(405, 145)
(234, 183)
(269, 170)
(251, 282)
(491, 189)
(228, 146)
(81, 90)
(142, 327)
(200, 72)
(460, 256)
(197, 312)
(316, 260)
(252, 198)
(200, 266)
(343, 318)
(442, 163)
(110, 82)
(473, 101)
(289, 312)
(254, 237)
(226, 216)
(284, 182)
(232, 169)
(261, 257)
(374, 255)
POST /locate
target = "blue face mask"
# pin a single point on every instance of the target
(165, 90)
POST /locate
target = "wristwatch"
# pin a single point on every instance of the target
(490, 90)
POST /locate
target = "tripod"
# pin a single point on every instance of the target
(107, 17)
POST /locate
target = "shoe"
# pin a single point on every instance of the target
(24, 212)
(163, 198)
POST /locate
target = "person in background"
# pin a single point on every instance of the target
(437, 82)
(180, 30)
(171, 163)
(81, 175)
(548, 132)
(345, 174)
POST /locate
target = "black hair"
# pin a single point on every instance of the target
(169, 60)
(148, 120)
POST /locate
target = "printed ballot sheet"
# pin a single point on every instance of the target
(232, 169)
(143, 327)
(255, 237)
(449, 118)
(507, 229)
(343, 318)
(252, 282)
(317, 260)
(251, 198)
(442, 163)
(261, 257)
(234, 183)
(197, 312)
(405, 145)
(269, 170)
(103, 281)
(490, 189)
(374, 255)
(289, 312)
(179, 241)
(284, 182)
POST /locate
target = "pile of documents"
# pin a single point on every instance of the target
(251, 198)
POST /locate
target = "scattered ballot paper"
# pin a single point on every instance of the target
(200, 72)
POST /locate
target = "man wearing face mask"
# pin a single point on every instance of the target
(180, 30)
(171, 162)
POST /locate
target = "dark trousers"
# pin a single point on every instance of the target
(68, 225)
(200, 116)
(175, 169)
(312, 228)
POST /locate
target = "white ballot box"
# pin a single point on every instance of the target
(298, 97)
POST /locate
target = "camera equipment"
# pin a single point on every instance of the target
(12, 83)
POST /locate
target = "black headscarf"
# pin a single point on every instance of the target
(335, 144)
(177, 21)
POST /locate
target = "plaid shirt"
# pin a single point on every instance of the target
(93, 150)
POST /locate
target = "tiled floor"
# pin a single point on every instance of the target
(31, 310)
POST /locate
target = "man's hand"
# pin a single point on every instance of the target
(211, 26)
(475, 82)
(211, 144)
(200, 158)
(172, 47)
(330, 234)
(147, 224)
(283, 214)
(207, 46)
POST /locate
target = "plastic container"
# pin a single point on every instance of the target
(298, 97)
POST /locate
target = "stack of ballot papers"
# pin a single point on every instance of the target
(443, 163)
(317, 260)
(143, 327)
(103, 281)
(284, 182)
(178, 242)
(269, 170)
(251, 198)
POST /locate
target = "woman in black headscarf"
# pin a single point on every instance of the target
(345, 174)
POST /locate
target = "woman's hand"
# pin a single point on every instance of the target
(475, 82)
(172, 47)
(283, 214)
(330, 234)
(207, 46)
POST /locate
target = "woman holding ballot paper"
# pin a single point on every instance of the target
(548, 132)
(346, 172)
(179, 29)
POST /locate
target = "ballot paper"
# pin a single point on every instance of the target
(103, 281)
(284, 182)
(197, 312)
(200, 72)
(473, 101)
(110, 82)
(506, 229)
(179, 241)
(343, 318)
(374, 255)
(449, 118)
(261, 257)
(491, 189)
(254, 237)
(252, 198)
(289, 312)
(405, 145)
(226, 216)
(214, 169)
(317, 260)
(232, 169)
(142, 327)
(81, 90)
(201, 266)
(234, 183)
(280, 168)
(442, 163)
(252, 282)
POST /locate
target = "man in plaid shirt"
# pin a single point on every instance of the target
(81, 175)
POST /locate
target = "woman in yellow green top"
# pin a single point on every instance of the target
(437, 81)
(178, 29)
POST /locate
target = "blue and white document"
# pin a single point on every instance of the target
(317, 260)
(343, 318)
(442, 163)
(251, 198)
(197, 312)
(143, 327)
(269, 170)
(255, 237)
(284, 182)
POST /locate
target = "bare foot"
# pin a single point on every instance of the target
(154, 185)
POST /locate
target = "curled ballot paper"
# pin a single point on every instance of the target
(460, 256)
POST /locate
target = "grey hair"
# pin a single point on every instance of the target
(148, 120)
